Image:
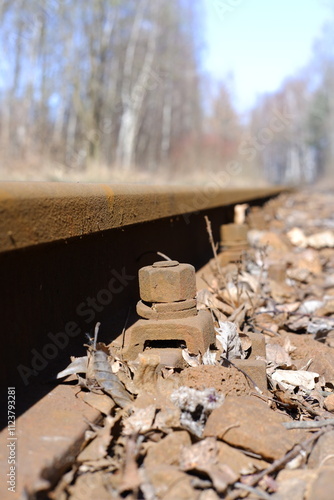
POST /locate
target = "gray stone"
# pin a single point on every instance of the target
(323, 450)
(248, 423)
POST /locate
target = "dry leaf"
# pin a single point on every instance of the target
(290, 379)
(277, 354)
(130, 478)
(202, 457)
(145, 377)
(309, 306)
(140, 421)
(266, 323)
(191, 359)
(228, 338)
(98, 447)
(209, 358)
(207, 299)
(100, 402)
(77, 365)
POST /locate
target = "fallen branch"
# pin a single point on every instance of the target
(214, 250)
(312, 424)
(278, 464)
(251, 489)
(256, 387)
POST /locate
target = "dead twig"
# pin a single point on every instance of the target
(232, 426)
(131, 479)
(251, 303)
(235, 314)
(96, 332)
(324, 460)
(295, 313)
(265, 398)
(285, 396)
(213, 246)
(254, 491)
(124, 329)
(214, 250)
(263, 253)
(278, 464)
(213, 290)
(245, 374)
(164, 256)
(311, 424)
(263, 329)
(237, 284)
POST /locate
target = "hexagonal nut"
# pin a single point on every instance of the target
(233, 232)
(167, 283)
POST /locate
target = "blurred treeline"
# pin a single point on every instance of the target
(299, 147)
(118, 85)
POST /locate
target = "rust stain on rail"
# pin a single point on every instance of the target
(110, 196)
(36, 212)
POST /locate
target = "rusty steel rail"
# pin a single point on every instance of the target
(32, 213)
(69, 257)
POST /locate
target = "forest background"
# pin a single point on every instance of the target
(111, 90)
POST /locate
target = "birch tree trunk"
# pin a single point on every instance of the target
(133, 94)
(166, 125)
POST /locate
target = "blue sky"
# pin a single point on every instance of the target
(260, 42)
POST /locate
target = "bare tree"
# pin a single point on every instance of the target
(104, 81)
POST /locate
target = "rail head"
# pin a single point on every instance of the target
(32, 213)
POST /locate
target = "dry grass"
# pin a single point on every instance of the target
(49, 171)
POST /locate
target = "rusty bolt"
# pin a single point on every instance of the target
(233, 234)
(277, 272)
(167, 281)
(167, 310)
(240, 213)
(256, 219)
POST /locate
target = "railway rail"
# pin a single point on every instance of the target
(70, 255)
